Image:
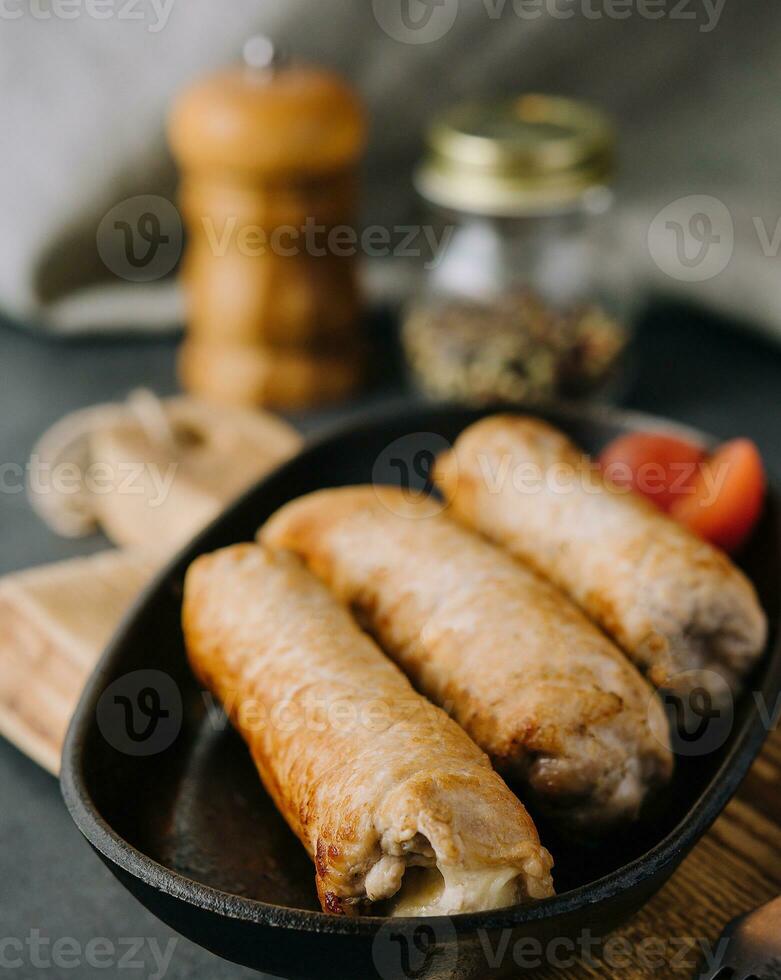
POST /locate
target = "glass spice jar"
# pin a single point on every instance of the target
(525, 299)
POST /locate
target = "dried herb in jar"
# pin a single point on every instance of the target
(514, 348)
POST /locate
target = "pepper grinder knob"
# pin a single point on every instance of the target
(262, 55)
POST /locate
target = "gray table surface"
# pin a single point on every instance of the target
(56, 898)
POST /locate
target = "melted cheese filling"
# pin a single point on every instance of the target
(429, 891)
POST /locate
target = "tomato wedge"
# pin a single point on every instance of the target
(727, 496)
(658, 466)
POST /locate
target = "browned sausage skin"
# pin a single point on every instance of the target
(392, 800)
(673, 602)
(546, 694)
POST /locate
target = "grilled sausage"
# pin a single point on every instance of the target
(392, 800)
(553, 702)
(673, 602)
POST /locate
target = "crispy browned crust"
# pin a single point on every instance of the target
(672, 601)
(537, 686)
(358, 763)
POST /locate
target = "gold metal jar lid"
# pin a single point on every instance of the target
(532, 153)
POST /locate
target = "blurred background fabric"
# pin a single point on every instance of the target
(693, 85)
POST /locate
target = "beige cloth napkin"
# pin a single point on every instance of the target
(694, 88)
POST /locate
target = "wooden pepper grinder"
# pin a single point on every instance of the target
(269, 153)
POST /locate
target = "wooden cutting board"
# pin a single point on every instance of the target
(55, 621)
(168, 467)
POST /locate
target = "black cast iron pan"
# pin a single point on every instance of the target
(166, 794)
